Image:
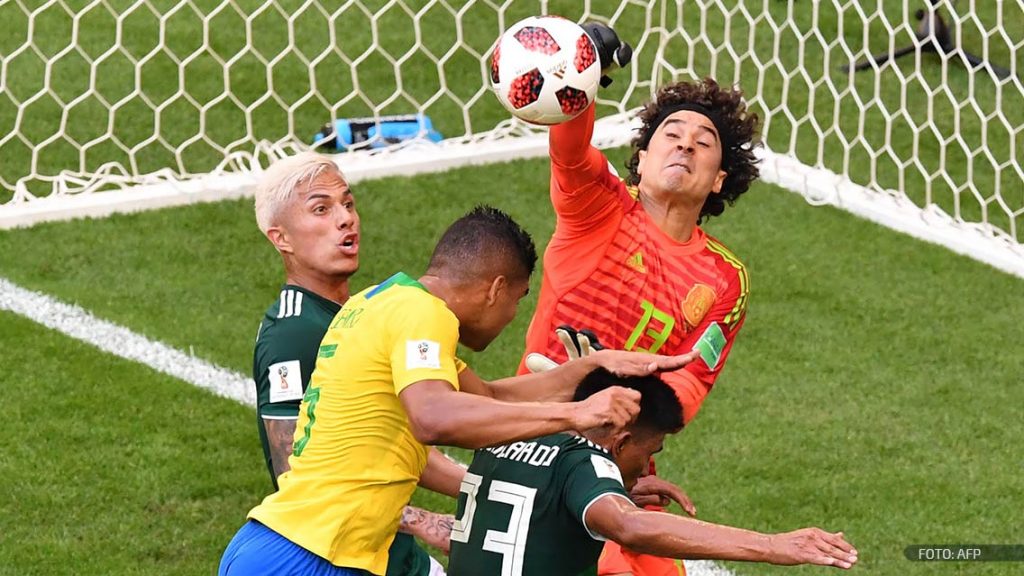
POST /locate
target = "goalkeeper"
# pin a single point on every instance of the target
(628, 259)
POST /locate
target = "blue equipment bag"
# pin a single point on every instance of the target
(344, 134)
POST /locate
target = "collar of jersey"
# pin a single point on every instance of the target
(327, 303)
(667, 243)
(399, 279)
(582, 440)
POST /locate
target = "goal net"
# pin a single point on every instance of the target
(125, 104)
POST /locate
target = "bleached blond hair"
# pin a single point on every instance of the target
(280, 184)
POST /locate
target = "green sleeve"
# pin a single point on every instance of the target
(590, 474)
(283, 362)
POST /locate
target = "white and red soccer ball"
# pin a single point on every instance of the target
(545, 70)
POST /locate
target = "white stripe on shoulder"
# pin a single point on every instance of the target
(298, 303)
(583, 517)
(582, 440)
(268, 417)
(280, 304)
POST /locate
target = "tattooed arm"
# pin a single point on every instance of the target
(280, 435)
(430, 527)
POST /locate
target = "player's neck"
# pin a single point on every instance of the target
(333, 288)
(442, 289)
(674, 216)
(452, 294)
(597, 436)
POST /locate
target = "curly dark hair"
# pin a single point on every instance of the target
(740, 124)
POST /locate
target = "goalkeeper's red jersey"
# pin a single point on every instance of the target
(610, 268)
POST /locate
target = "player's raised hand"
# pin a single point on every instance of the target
(577, 343)
(624, 363)
(655, 491)
(616, 407)
(610, 49)
(812, 546)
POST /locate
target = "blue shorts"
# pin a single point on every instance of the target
(259, 551)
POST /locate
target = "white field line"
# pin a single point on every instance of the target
(76, 322)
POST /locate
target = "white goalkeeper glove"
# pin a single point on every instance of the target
(578, 344)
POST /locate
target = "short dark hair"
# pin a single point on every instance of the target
(731, 116)
(487, 237)
(660, 409)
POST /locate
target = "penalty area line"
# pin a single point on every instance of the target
(78, 323)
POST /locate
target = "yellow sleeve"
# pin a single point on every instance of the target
(424, 344)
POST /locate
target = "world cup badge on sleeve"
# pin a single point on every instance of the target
(285, 381)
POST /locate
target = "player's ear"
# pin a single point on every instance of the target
(716, 186)
(620, 441)
(498, 286)
(641, 157)
(279, 239)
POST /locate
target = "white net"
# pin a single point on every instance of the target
(101, 94)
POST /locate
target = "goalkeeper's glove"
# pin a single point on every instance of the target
(578, 344)
(610, 49)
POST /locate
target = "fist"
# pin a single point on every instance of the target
(616, 407)
(610, 49)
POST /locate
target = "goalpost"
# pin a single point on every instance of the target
(112, 105)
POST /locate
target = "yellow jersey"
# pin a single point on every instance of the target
(355, 462)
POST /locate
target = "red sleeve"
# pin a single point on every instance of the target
(714, 337)
(584, 192)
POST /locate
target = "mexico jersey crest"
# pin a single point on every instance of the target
(698, 303)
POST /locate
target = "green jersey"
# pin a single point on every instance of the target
(285, 355)
(286, 348)
(522, 507)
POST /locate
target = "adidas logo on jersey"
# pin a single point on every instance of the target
(290, 304)
(636, 262)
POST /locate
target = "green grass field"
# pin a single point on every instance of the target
(874, 389)
(941, 136)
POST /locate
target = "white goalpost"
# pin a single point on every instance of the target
(116, 105)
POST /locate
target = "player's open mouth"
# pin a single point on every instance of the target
(350, 245)
(681, 167)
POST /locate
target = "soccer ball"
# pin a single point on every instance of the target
(545, 70)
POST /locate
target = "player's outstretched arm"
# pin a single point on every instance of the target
(569, 141)
(439, 415)
(569, 145)
(442, 474)
(559, 383)
(672, 536)
(433, 528)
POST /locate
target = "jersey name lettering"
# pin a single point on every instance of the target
(527, 452)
